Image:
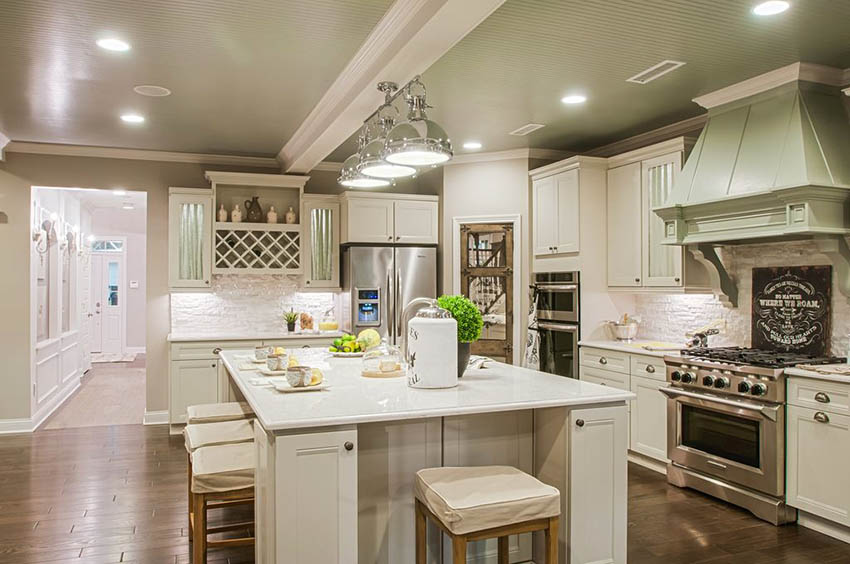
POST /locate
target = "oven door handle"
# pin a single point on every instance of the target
(766, 411)
(556, 287)
(554, 327)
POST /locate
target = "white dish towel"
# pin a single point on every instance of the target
(532, 339)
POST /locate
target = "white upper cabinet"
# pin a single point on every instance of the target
(189, 237)
(320, 215)
(662, 264)
(556, 213)
(624, 226)
(389, 218)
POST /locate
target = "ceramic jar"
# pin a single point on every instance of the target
(290, 216)
(271, 217)
(253, 210)
(222, 213)
(236, 214)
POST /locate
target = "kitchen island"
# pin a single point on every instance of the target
(335, 468)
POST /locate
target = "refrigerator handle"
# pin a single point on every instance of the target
(398, 305)
(390, 297)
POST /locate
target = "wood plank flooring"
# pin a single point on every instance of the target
(101, 495)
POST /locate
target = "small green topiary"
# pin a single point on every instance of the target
(469, 321)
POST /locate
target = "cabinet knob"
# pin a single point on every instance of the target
(207, 282)
(821, 397)
(398, 238)
(213, 365)
(677, 279)
(390, 238)
(348, 445)
(603, 360)
(579, 422)
(637, 279)
(821, 417)
(216, 350)
(650, 369)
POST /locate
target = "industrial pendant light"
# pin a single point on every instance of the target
(417, 141)
(372, 162)
(350, 177)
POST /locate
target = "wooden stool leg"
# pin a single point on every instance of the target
(504, 550)
(199, 534)
(421, 533)
(459, 549)
(552, 541)
(189, 490)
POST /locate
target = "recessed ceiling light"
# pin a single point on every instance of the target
(574, 99)
(472, 145)
(132, 118)
(771, 7)
(119, 192)
(128, 206)
(113, 44)
(152, 90)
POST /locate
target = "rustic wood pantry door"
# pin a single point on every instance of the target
(486, 267)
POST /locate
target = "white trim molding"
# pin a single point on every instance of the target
(159, 417)
(4, 142)
(543, 154)
(55, 402)
(15, 426)
(328, 166)
(678, 129)
(134, 350)
(138, 154)
(519, 270)
(677, 144)
(808, 72)
(410, 37)
(257, 179)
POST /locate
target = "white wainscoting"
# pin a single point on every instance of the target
(56, 376)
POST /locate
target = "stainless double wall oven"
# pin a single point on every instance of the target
(556, 299)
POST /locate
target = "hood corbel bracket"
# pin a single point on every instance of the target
(722, 285)
(835, 247)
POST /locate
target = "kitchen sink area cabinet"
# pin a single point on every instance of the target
(390, 218)
(648, 418)
(192, 382)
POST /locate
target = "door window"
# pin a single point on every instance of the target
(721, 434)
(321, 243)
(113, 276)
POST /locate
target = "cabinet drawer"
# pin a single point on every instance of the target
(206, 349)
(605, 377)
(822, 395)
(648, 367)
(604, 359)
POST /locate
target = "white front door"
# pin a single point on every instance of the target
(107, 284)
(86, 312)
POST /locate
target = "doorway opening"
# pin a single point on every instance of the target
(89, 301)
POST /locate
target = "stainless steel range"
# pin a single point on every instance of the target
(726, 425)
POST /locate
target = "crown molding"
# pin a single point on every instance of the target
(139, 154)
(577, 161)
(525, 153)
(808, 72)
(680, 144)
(409, 38)
(4, 142)
(653, 137)
(256, 179)
(328, 166)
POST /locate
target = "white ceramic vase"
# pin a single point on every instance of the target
(222, 214)
(290, 216)
(236, 214)
(271, 216)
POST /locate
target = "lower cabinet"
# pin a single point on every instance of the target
(648, 415)
(192, 382)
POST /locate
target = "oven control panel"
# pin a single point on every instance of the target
(726, 380)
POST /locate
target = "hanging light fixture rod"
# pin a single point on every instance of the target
(391, 93)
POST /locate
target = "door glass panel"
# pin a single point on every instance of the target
(486, 250)
(662, 258)
(488, 293)
(113, 275)
(557, 352)
(721, 434)
(191, 248)
(561, 301)
(321, 244)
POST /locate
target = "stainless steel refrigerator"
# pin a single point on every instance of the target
(379, 281)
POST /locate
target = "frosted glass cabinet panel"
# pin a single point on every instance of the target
(189, 237)
(662, 263)
(321, 252)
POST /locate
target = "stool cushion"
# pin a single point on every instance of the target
(215, 412)
(476, 498)
(223, 468)
(221, 433)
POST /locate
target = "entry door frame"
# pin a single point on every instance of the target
(122, 284)
(519, 268)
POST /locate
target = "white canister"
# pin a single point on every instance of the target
(432, 352)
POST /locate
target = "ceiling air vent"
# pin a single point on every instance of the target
(526, 129)
(655, 71)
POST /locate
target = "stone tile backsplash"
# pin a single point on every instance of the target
(669, 316)
(244, 303)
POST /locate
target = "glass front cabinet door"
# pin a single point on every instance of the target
(320, 219)
(189, 237)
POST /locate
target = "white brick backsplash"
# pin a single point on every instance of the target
(244, 302)
(668, 317)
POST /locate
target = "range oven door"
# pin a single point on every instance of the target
(737, 441)
(557, 302)
(558, 348)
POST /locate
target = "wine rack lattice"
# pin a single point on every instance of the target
(257, 248)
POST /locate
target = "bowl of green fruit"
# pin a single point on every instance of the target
(350, 346)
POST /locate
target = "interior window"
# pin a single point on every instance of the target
(112, 273)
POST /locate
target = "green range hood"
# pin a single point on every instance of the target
(772, 163)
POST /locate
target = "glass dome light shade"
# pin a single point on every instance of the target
(350, 177)
(417, 142)
(371, 163)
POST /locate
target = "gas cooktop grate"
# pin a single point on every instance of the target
(758, 357)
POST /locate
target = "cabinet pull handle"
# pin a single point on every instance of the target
(677, 279)
(207, 282)
(579, 422)
(390, 238)
(821, 397)
(821, 417)
(398, 237)
(348, 445)
(637, 279)
(212, 365)
(216, 350)
(650, 369)
(603, 360)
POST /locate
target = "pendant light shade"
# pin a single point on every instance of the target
(350, 177)
(419, 141)
(373, 164)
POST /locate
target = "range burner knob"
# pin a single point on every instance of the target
(688, 377)
(744, 387)
(676, 376)
(708, 381)
(759, 390)
(721, 382)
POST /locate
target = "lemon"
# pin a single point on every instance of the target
(279, 350)
(368, 338)
(317, 377)
(293, 361)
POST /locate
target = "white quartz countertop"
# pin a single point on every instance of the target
(635, 347)
(183, 337)
(352, 399)
(842, 378)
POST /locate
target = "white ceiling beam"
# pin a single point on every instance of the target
(410, 37)
(4, 140)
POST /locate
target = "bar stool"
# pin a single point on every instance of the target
(485, 502)
(213, 434)
(223, 473)
(217, 412)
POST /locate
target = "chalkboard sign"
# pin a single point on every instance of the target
(791, 309)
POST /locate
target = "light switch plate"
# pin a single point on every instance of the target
(134, 284)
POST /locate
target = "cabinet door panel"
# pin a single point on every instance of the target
(662, 264)
(649, 418)
(192, 382)
(545, 198)
(321, 244)
(567, 218)
(416, 222)
(189, 240)
(818, 458)
(624, 225)
(370, 221)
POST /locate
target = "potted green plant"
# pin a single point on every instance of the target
(469, 324)
(291, 317)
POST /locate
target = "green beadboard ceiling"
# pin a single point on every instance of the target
(516, 65)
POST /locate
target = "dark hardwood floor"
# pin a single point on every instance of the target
(100, 495)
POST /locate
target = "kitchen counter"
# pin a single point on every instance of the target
(841, 378)
(635, 347)
(254, 336)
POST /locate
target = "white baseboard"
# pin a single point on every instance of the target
(824, 526)
(15, 426)
(156, 417)
(58, 399)
(647, 462)
(134, 350)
